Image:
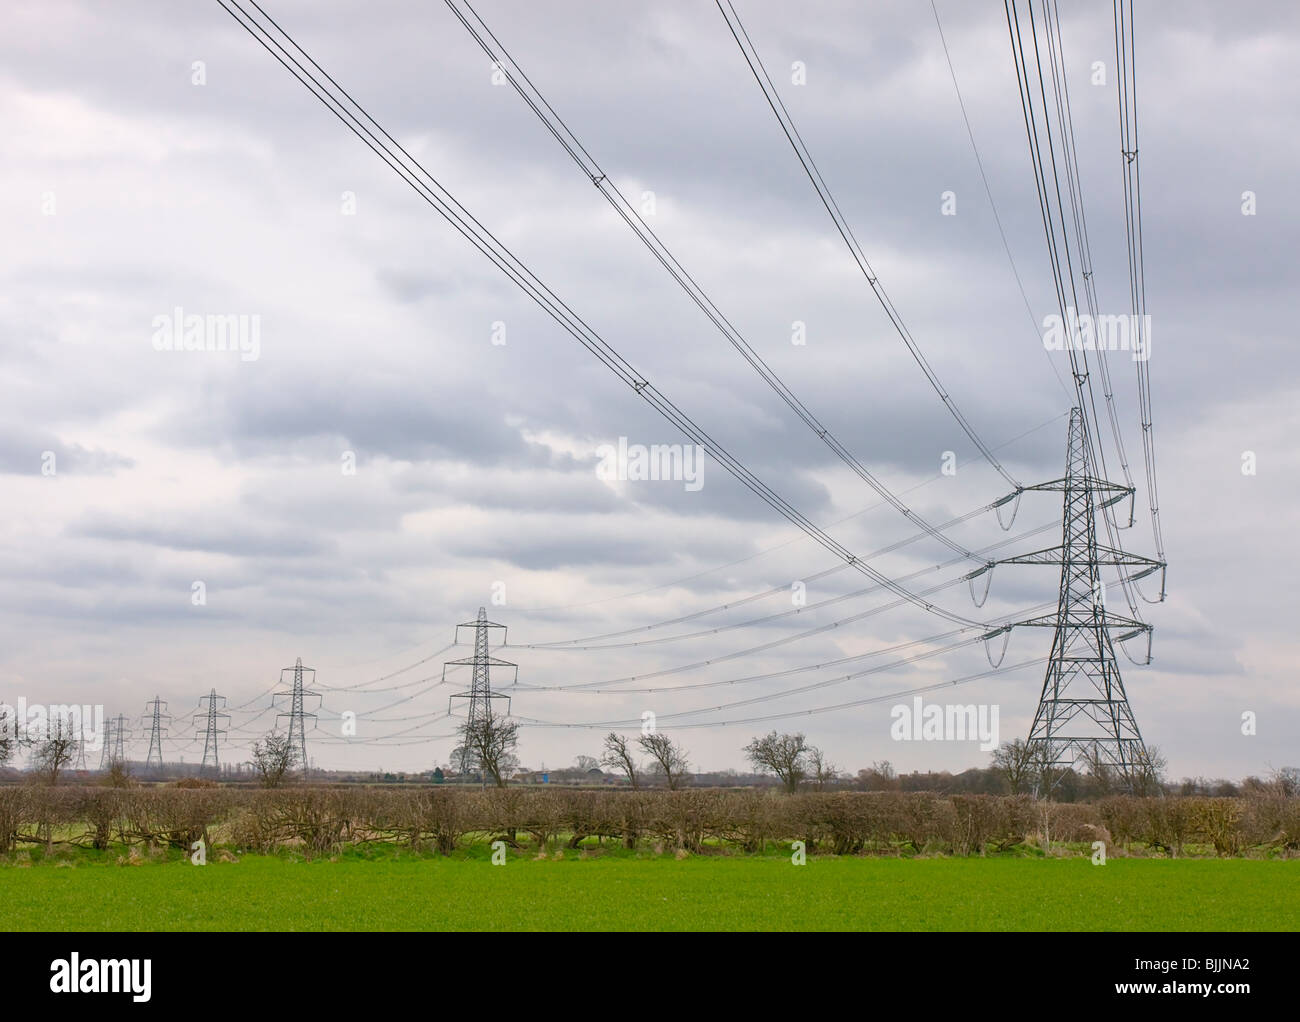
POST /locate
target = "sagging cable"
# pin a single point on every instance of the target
(1121, 640)
(987, 571)
(1143, 574)
(1014, 500)
(1005, 632)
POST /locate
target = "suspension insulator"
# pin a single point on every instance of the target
(1014, 501)
(988, 649)
(986, 571)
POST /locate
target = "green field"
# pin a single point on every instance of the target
(699, 892)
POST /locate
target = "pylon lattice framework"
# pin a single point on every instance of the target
(480, 694)
(106, 750)
(155, 714)
(115, 735)
(297, 716)
(211, 733)
(1083, 712)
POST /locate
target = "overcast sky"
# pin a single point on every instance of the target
(130, 191)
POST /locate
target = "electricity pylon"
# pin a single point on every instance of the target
(1083, 714)
(106, 750)
(154, 717)
(480, 694)
(211, 716)
(297, 717)
(116, 734)
(120, 733)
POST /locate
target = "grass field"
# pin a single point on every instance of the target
(697, 893)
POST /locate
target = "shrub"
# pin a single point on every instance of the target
(1170, 822)
(15, 810)
(321, 820)
(1218, 822)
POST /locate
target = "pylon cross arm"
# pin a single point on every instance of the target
(1106, 557)
(1111, 621)
(490, 661)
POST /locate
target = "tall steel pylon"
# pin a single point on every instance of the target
(480, 694)
(1083, 715)
(80, 763)
(154, 715)
(115, 735)
(211, 733)
(120, 734)
(297, 716)
(106, 750)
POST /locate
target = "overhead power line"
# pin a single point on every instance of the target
(1079, 217)
(988, 191)
(695, 576)
(1044, 144)
(1074, 191)
(509, 68)
(358, 121)
(750, 53)
(813, 711)
(799, 690)
(782, 615)
(1126, 86)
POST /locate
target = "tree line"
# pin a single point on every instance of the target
(486, 748)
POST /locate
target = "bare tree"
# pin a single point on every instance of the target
(1148, 775)
(821, 770)
(617, 756)
(8, 735)
(491, 742)
(118, 774)
(880, 776)
(1285, 780)
(462, 761)
(1100, 769)
(783, 755)
(274, 758)
(1043, 770)
(587, 763)
(1014, 761)
(56, 750)
(668, 758)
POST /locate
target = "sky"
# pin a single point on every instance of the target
(410, 438)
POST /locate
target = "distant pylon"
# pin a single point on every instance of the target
(154, 717)
(115, 735)
(297, 716)
(211, 733)
(480, 694)
(106, 750)
(1083, 714)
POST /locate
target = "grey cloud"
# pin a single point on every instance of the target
(24, 451)
(203, 533)
(377, 340)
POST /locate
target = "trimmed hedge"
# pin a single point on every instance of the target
(322, 820)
